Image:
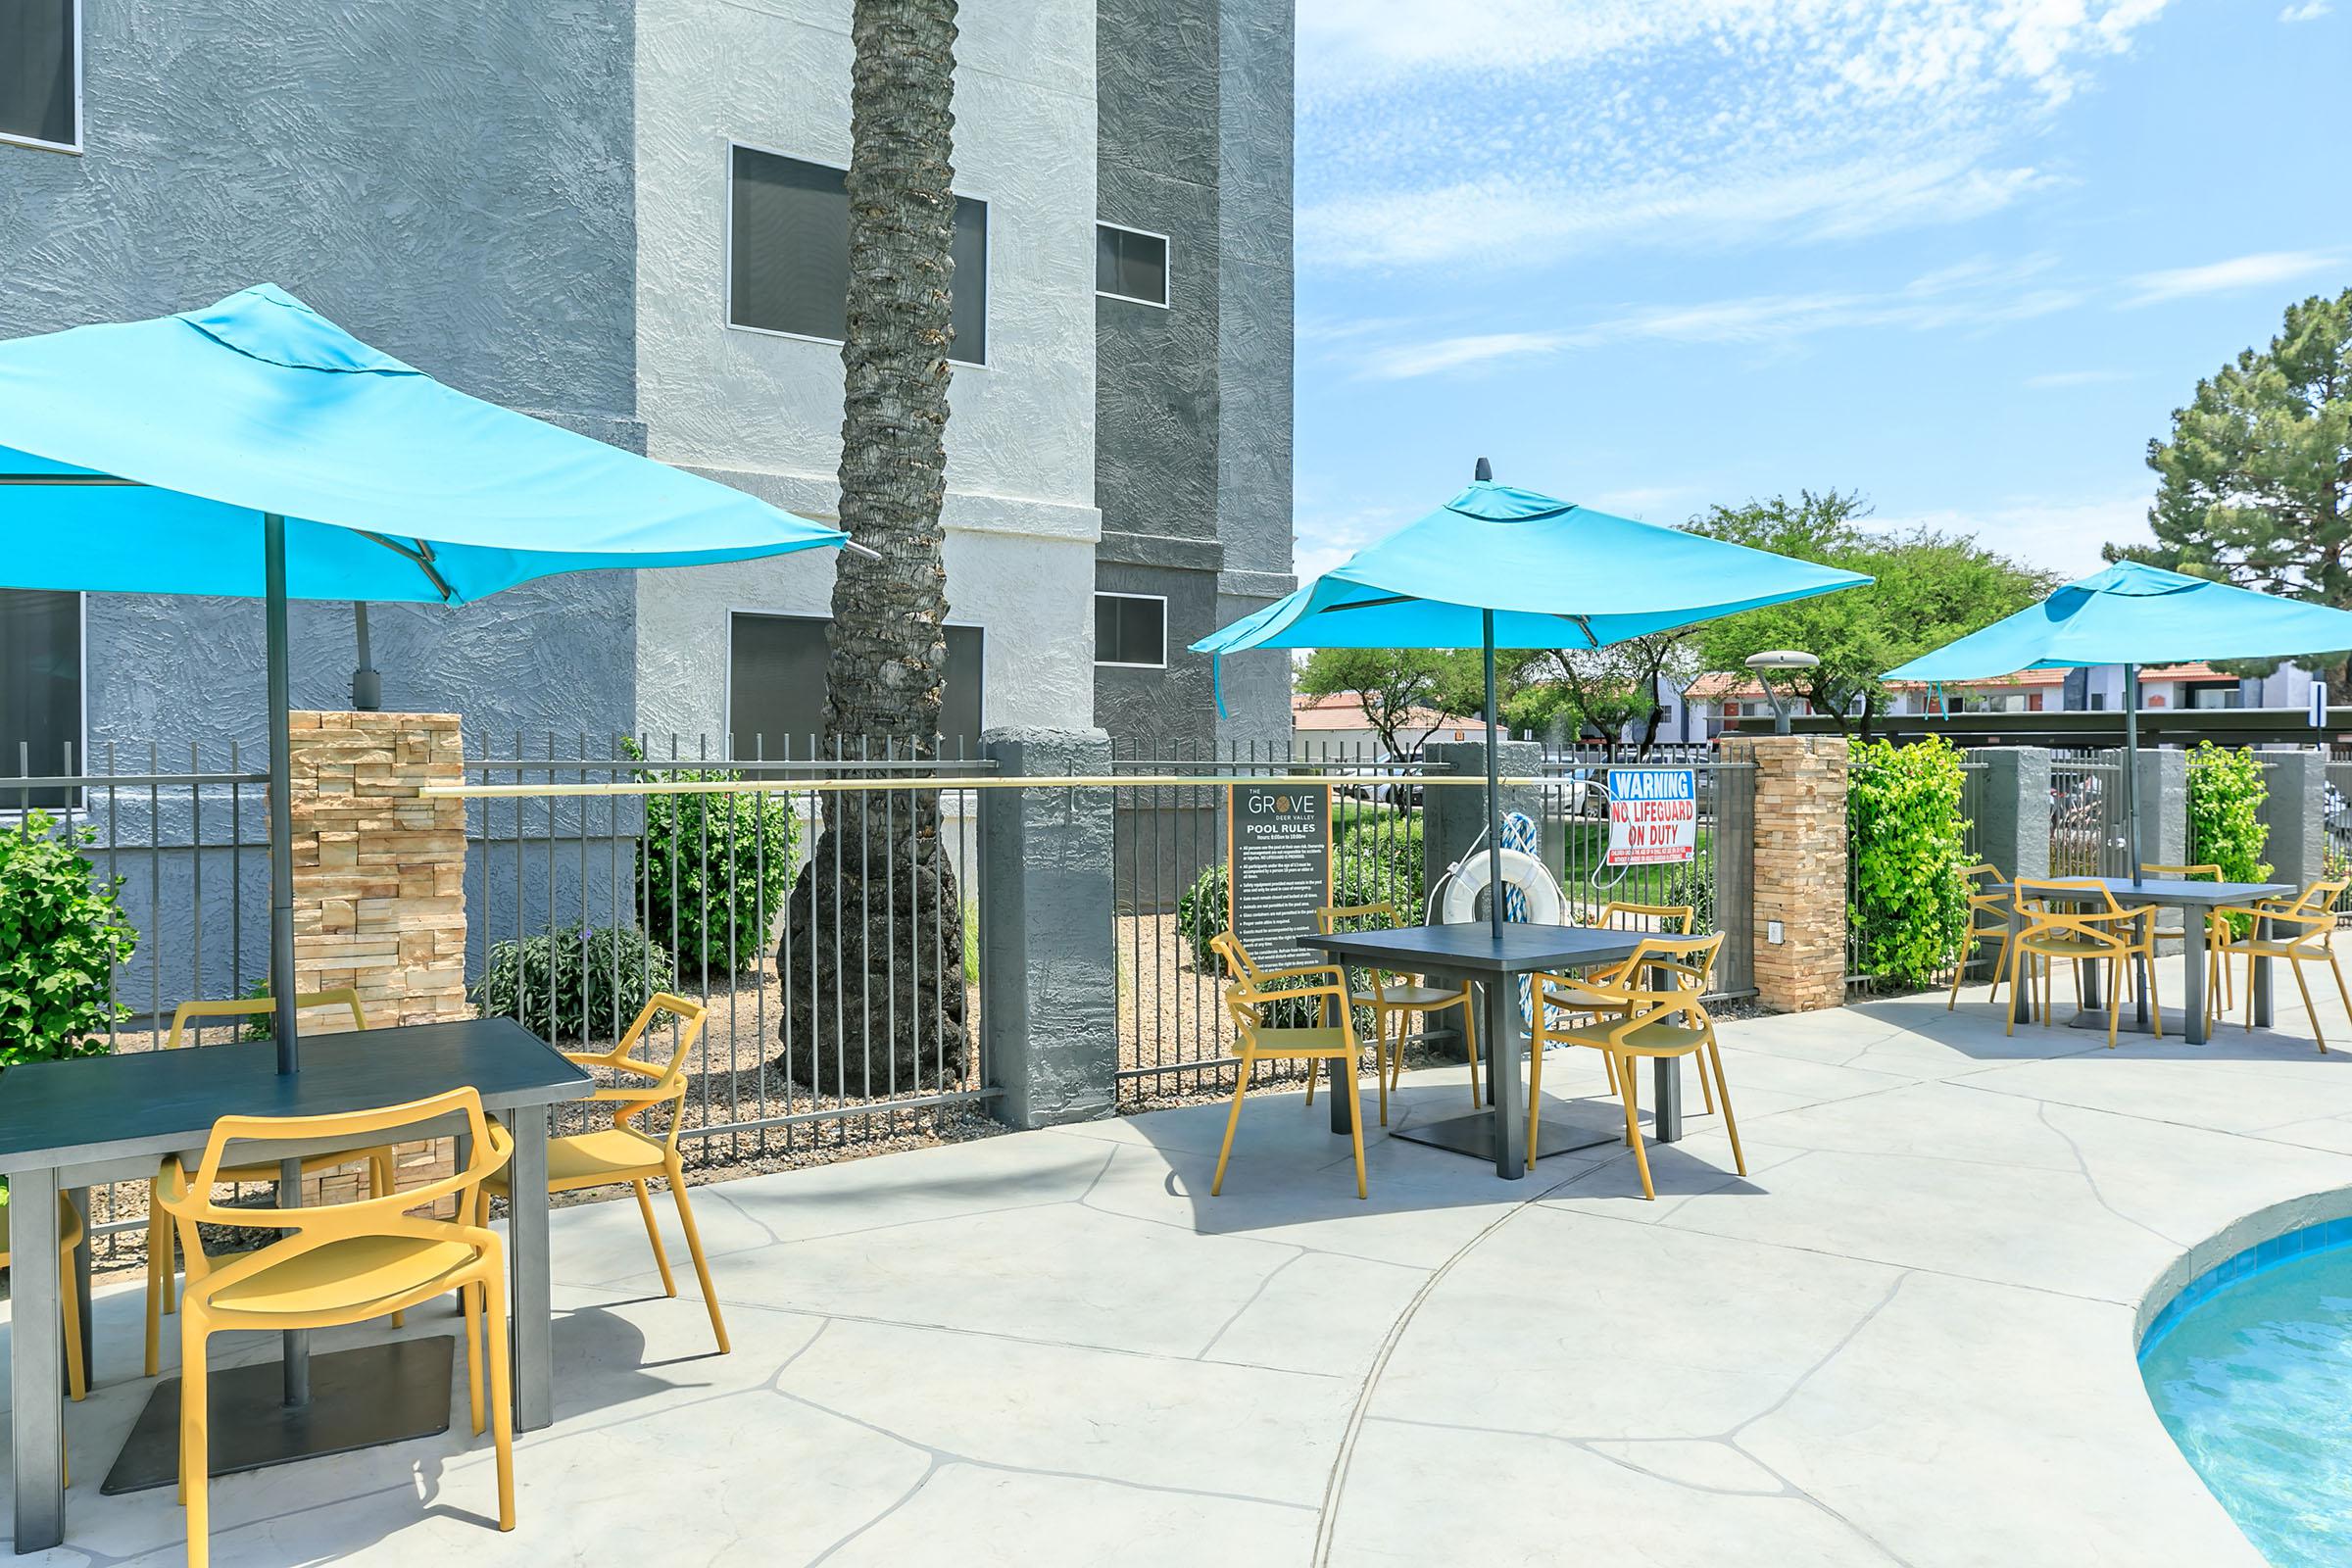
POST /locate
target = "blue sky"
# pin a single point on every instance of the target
(1964, 256)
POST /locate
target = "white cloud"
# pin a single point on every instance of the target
(2308, 10)
(2065, 378)
(2264, 269)
(1971, 295)
(1431, 133)
(2060, 535)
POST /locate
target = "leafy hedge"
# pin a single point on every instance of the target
(62, 933)
(2225, 796)
(573, 984)
(717, 869)
(1909, 906)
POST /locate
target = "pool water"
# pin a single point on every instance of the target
(2251, 1371)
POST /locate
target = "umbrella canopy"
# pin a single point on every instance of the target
(1551, 573)
(2132, 613)
(1498, 566)
(392, 486)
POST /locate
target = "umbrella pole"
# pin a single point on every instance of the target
(1494, 794)
(296, 1350)
(2131, 767)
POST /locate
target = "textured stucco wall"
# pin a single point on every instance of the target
(1194, 403)
(451, 182)
(764, 413)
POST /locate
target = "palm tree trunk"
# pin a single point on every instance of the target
(872, 949)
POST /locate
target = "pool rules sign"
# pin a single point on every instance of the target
(1653, 815)
(1278, 845)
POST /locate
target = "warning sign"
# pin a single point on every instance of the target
(1653, 815)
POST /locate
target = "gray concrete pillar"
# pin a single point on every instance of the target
(2013, 808)
(1049, 966)
(1454, 815)
(2163, 808)
(2296, 811)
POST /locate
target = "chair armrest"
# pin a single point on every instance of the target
(1304, 969)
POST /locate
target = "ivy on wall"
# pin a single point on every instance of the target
(2225, 796)
(1909, 905)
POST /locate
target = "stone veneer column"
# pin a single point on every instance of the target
(1799, 861)
(379, 873)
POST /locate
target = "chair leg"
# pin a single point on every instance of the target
(1381, 1045)
(1534, 1094)
(77, 1382)
(1706, 1090)
(468, 1303)
(195, 1451)
(2000, 967)
(2015, 987)
(1633, 1126)
(693, 1245)
(2309, 1011)
(380, 1184)
(2155, 999)
(645, 1208)
(1610, 1063)
(2115, 1003)
(502, 1396)
(1714, 1059)
(1355, 1131)
(2337, 969)
(1968, 945)
(1233, 1120)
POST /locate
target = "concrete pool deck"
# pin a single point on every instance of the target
(1906, 1338)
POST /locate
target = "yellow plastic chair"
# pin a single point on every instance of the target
(623, 1152)
(339, 1264)
(2301, 930)
(1256, 1040)
(1239, 965)
(1674, 919)
(2219, 933)
(162, 1263)
(69, 1242)
(1395, 999)
(1987, 919)
(1633, 1020)
(2059, 926)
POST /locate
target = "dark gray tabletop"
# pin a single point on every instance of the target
(162, 1102)
(1473, 949)
(2170, 892)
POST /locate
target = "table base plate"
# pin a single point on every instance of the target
(359, 1399)
(2128, 1024)
(1567, 1126)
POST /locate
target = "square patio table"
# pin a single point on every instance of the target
(67, 1125)
(1472, 953)
(2197, 899)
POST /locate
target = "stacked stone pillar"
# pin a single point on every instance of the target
(1799, 859)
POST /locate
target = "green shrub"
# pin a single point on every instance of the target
(716, 868)
(573, 984)
(1906, 836)
(1201, 914)
(1380, 858)
(2226, 795)
(62, 933)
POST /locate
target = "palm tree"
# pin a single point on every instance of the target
(873, 935)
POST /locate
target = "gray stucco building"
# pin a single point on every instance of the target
(617, 215)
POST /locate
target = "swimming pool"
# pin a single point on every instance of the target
(2250, 1368)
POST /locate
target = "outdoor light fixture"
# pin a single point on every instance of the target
(1784, 660)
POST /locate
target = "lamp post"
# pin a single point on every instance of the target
(1780, 658)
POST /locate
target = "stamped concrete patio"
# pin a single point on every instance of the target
(1906, 1338)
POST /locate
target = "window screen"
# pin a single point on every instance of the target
(776, 687)
(39, 40)
(40, 689)
(1131, 629)
(789, 253)
(1129, 264)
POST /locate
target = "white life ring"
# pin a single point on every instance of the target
(1468, 879)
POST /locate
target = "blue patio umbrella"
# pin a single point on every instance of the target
(1498, 566)
(2133, 615)
(254, 448)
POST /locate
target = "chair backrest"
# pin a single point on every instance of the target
(1621, 916)
(2057, 905)
(1328, 918)
(667, 1080)
(2320, 898)
(2186, 873)
(1243, 999)
(189, 1200)
(1667, 975)
(1238, 962)
(1983, 873)
(261, 1008)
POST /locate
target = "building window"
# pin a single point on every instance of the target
(788, 254)
(1131, 631)
(776, 688)
(40, 691)
(1131, 263)
(40, 73)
